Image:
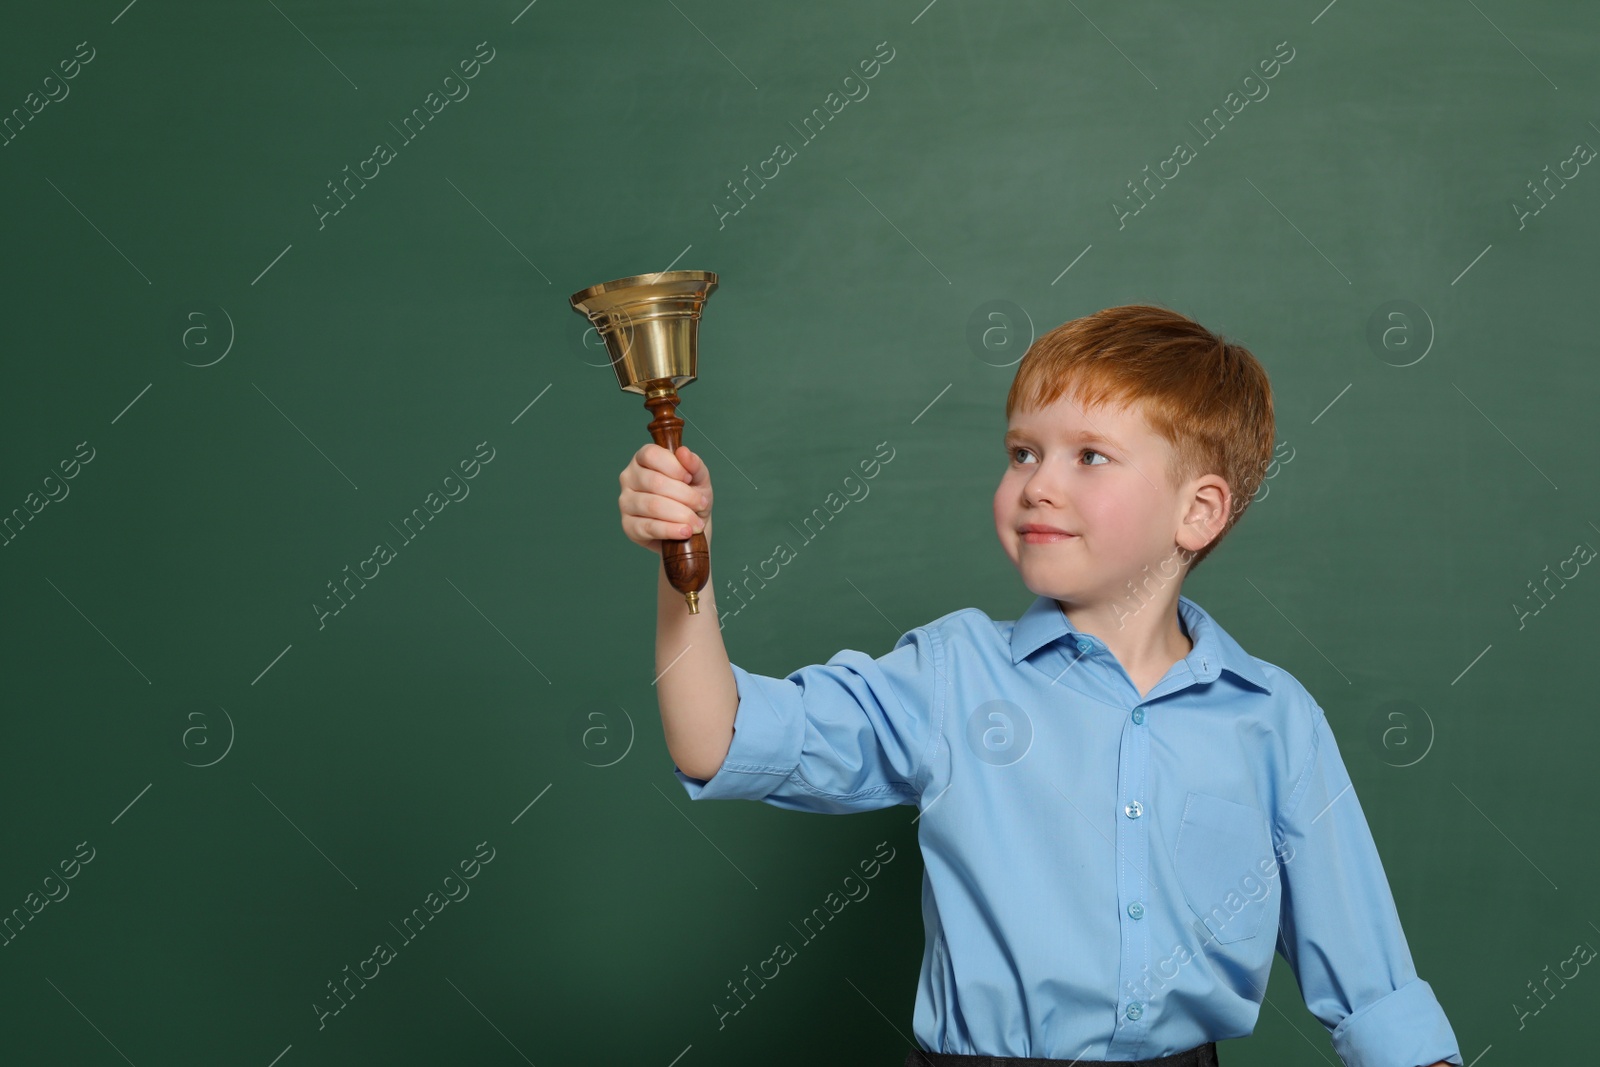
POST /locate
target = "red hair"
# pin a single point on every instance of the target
(1206, 396)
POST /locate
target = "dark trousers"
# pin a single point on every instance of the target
(1199, 1056)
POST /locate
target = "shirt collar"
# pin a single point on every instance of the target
(1214, 649)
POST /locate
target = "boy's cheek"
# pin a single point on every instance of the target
(1005, 496)
(1002, 519)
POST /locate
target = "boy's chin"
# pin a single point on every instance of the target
(1073, 584)
(1056, 581)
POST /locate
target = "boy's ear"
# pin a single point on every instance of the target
(1207, 512)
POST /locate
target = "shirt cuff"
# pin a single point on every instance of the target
(1405, 1028)
(768, 731)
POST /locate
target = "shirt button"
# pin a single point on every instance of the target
(1136, 909)
(1138, 715)
(1134, 809)
(1205, 664)
(1135, 1010)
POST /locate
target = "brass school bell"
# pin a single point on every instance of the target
(650, 323)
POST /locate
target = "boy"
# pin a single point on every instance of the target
(1122, 813)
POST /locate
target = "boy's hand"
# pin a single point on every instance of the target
(665, 496)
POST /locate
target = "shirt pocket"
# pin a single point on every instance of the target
(1221, 849)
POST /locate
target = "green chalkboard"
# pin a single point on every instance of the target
(321, 633)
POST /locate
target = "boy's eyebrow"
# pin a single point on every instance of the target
(1081, 435)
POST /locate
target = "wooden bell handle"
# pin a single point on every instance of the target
(688, 562)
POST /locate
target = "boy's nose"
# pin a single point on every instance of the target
(1041, 489)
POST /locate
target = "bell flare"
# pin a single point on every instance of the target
(650, 324)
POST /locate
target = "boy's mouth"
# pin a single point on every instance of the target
(1039, 534)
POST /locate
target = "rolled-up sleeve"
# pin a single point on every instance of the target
(849, 735)
(1339, 930)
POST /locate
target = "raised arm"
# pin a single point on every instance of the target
(850, 735)
(667, 496)
(694, 680)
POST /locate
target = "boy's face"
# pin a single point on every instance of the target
(1101, 475)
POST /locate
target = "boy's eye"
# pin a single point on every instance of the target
(1085, 452)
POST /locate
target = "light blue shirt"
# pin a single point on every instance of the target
(1105, 876)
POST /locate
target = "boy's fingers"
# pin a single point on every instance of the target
(666, 486)
(667, 461)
